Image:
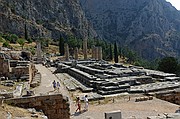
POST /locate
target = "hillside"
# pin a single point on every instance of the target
(150, 27)
(43, 18)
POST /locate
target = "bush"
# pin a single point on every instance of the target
(6, 44)
(13, 38)
(29, 40)
(168, 65)
(2, 39)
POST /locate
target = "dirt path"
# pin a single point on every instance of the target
(46, 86)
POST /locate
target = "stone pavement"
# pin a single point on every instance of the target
(46, 81)
(46, 86)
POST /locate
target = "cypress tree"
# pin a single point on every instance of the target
(115, 53)
(110, 54)
(25, 32)
(61, 46)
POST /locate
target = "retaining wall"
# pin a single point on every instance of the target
(54, 106)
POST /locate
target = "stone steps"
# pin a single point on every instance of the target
(111, 92)
(72, 85)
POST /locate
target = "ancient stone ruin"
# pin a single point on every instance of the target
(107, 79)
(53, 106)
(16, 69)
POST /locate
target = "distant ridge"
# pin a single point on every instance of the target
(150, 27)
(44, 18)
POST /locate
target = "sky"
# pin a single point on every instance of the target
(175, 3)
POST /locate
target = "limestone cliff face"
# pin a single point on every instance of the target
(44, 18)
(150, 27)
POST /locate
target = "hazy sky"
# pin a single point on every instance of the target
(175, 3)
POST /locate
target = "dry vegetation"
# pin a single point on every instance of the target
(16, 112)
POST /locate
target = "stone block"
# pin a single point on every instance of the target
(59, 105)
(60, 100)
(35, 104)
(51, 111)
(6, 94)
(113, 115)
(150, 97)
(146, 98)
(52, 108)
(49, 102)
(57, 96)
(58, 111)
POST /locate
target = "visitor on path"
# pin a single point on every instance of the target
(86, 103)
(54, 85)
(78, 104)
(178, 110)
(58, 86)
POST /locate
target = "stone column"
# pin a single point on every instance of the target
(66, 47)
(39, 52)
(85, 48)
(99, 53)
(96, 53)
(76, 53)
(93, 52)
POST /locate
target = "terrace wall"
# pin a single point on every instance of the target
(53, 106)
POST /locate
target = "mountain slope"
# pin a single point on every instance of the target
(43, 18)
(150, 27)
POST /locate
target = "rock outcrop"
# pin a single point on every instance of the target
(150, 27)
(44, 18)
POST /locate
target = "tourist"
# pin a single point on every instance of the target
(54, 85)
(58, 86)
(129, 98)
(78, 104)
(178, 111)
(86, 103)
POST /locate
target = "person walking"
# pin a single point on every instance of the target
(86, 103)
(54, 85)
(58, 85)
(78, 104)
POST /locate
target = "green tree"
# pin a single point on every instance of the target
(115, 53)
(21, 42)
(29, 40)
(178, 70)
(6, 44)
(72, 42)
(61, 46)
(25, 32)
(13, 38)
(168, 65)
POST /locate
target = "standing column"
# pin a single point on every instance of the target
(93, 52)
(39, 52)
(85, 48)
(99, 53)
(66, 52)
(96, 53)
(76, 53)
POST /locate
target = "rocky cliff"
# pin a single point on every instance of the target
(43, 18)
(150, 27)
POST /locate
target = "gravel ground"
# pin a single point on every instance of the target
(129, 109)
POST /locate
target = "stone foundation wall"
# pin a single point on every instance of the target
(173, 97)
(4, 70)
(53, 106)
(19, 71)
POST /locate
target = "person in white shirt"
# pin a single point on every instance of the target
(86, 103)
(58, 86)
